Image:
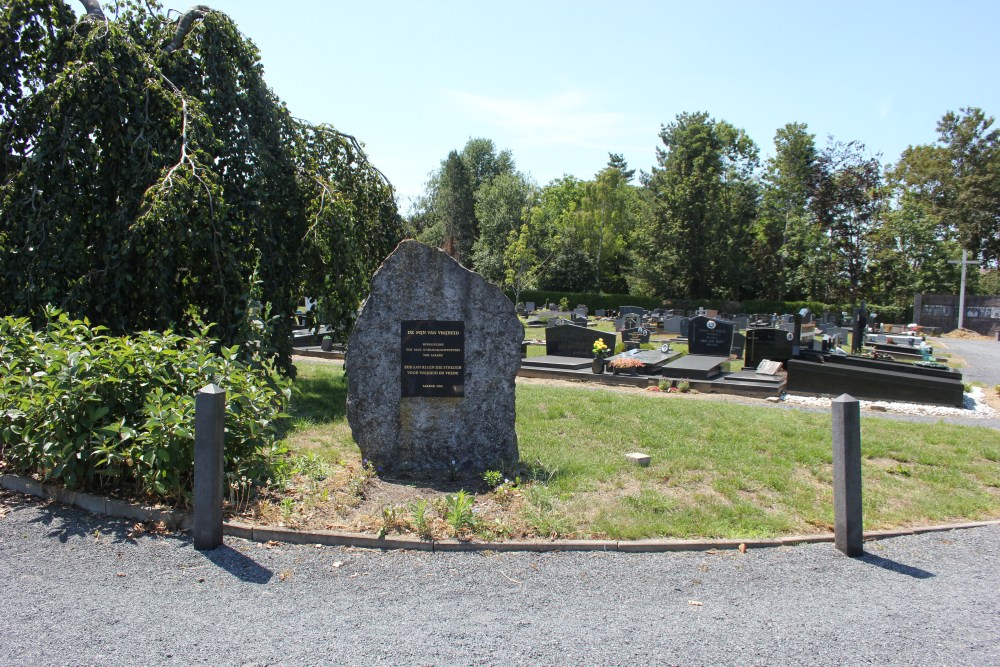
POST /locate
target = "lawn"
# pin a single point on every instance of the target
(719, 469)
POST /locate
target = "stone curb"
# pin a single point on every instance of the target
(182, 521)
(96, 504)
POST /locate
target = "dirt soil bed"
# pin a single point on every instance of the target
(965, 334)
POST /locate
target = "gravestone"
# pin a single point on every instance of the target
(600, 312)
(710, 337)
(630, 317)
(529, 306)
(672, 324)
(772, 344)
(578, 319)
(739, 344)
(634, 338)
(685, 327)
(430, 367)
(573, 341)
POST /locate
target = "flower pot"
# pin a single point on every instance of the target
(326, 344)
(598, 366)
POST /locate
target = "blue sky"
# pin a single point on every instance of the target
(562, 84)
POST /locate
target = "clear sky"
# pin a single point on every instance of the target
(563, 83)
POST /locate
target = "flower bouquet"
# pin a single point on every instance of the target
(600, 351)
(625, 364)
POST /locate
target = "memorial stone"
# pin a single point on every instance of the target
(710, 337)
(573, 341)
(430, 367)
(635, 337)
(773, 344)
(739, 344)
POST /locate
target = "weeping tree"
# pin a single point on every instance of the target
(149, 177)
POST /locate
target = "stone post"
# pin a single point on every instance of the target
(209, 435)
(848, 530)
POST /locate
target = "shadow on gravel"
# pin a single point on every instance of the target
(64, 523)
(240, 566)
(893, 566)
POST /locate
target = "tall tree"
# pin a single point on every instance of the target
(786, 232)
(456, 208)
(147, 173)
(502, 205)
(969, 191)
(445, 216)
(701, 190)
(848, 204)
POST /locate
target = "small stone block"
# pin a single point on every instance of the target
(638, 458)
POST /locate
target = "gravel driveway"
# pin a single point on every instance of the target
(981, 357)
(77, 590)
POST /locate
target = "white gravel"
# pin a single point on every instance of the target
(975, 406)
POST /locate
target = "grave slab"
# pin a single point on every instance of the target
(694, 367)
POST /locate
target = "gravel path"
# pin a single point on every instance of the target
(981, 357)
(77, 590)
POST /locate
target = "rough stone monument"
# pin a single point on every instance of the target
(431, 364)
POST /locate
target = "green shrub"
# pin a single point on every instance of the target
(113, 413)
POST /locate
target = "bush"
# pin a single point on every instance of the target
(117, 413)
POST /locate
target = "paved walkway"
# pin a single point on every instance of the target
(80, 590)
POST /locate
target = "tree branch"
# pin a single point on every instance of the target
(184, 25)
(94, 10)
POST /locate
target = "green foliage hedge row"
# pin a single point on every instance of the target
(893, 314)
(116, 413)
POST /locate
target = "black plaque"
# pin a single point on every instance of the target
(432, 358)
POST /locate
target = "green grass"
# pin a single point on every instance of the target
(718, 469)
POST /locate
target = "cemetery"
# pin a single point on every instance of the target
(413, 367)
(812, 357)
(253, 310)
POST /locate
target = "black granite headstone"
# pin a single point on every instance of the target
(709, 336)
(771, 344)
(635, 337)
(572, 341)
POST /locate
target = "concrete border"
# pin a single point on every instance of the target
(181, 521)
(95, 504)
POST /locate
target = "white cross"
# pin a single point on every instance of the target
(961, 294)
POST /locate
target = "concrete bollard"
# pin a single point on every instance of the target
(848, 530)
(209, 437)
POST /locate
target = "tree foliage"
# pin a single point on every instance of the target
(705, 204)
(823, 224)
(140, 181)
